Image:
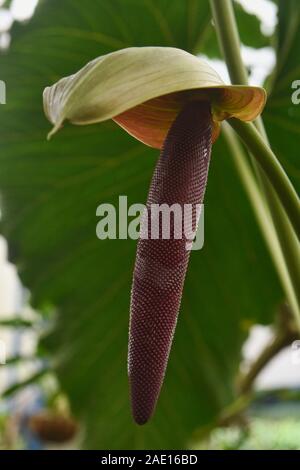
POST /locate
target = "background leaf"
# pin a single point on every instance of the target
(49, 195)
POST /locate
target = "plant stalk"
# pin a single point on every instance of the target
(229, 40)
(290, 280)
(272, 168)
(284, 237)
(285, 333)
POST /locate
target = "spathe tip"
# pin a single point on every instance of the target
(54, 130)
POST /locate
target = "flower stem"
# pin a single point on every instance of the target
(284, 335)
(289, 273)
(228, 35)
(272, 168)
(273, 179)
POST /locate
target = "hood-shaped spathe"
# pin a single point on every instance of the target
(143, 89)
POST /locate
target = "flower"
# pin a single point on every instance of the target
(143, 89)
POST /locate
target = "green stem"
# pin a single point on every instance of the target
(290, 244)
(289, 281)
(284, 335)
(285, 246)
(229, 40)
(227, 31)
(229, 415)
(272, 168)
(230, 44)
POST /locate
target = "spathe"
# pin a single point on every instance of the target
(143, 89)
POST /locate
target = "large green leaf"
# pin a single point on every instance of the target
(50, 192)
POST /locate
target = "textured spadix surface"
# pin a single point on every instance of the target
(143, 89)
(179, 178)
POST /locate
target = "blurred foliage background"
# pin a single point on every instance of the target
(81, 286)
